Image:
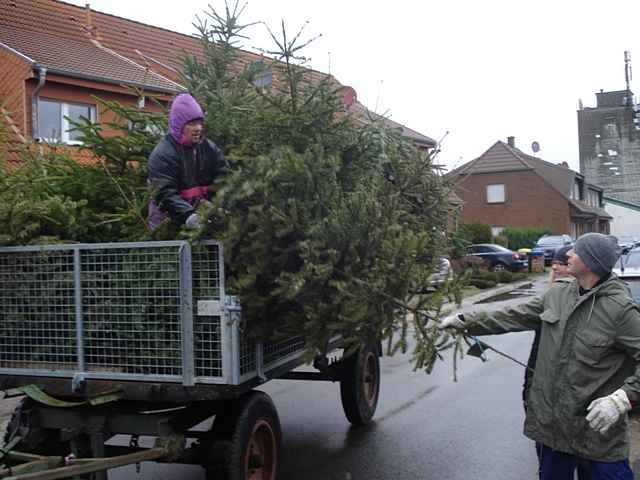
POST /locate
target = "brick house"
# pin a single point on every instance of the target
(505, 187)
(55, 57)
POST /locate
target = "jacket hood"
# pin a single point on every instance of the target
(183, 109)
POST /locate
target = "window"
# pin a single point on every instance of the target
(495, 193)
(495, 231)
(53, 124)
(263, 75)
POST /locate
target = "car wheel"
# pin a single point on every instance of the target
(499, 267)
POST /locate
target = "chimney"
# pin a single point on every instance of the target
(511, 141)
(349, 96)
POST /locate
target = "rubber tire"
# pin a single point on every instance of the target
(47, 442)
(499, 267)
(232, 432)
(359, 394)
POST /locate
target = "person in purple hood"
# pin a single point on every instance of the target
(183, 166)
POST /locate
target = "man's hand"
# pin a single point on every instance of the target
(453, 322)
(605, 411)
(193, 221)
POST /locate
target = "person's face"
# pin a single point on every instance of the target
(575, 266)
(559, 268)
(192, 131)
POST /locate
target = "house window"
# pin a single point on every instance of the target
(495, 193)
(263, 75)
(53, 120)
(495, 231)
(576, 191)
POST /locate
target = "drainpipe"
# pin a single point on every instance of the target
(42, 76)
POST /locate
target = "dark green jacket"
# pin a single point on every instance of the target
(589, 347)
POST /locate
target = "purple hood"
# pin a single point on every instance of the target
(183, 109)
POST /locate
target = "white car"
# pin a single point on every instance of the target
(628, 265)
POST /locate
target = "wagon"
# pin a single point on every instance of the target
(140, 339)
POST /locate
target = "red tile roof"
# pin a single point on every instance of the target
(79, 57)
(89, 44)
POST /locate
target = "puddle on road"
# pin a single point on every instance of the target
(523, 291)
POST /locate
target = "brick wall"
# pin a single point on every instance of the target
(529, 202)
(13, 73)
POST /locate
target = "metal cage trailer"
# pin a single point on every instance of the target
(140, 339)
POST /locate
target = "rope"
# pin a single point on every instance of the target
(486, 346)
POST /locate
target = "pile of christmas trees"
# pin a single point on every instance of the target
(328, 226)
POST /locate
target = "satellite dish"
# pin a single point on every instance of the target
(535, 146)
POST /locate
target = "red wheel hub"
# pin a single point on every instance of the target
(261, 457)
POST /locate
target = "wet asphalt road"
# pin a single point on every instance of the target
(426, 426)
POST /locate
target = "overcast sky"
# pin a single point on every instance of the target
(480, 70)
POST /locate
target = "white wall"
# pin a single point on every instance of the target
(625, 220)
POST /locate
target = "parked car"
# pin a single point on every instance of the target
(628, 269)
(498, 257)
(627, 242)
(628, 265)
(443, 273)
(550, 243)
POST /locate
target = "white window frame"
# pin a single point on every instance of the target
(65, 126)
(496, 195)
(496, 230)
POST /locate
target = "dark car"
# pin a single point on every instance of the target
(550, 243)
(498, 257)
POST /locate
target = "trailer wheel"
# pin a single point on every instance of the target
(35, 439)
(360, 385)
(247, 440)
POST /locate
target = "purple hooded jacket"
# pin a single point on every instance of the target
(184, 109)
(182, 174)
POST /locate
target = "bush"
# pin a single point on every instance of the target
(501, 240)
(480, 283)
(523, 237)
(475, 233)
(505, 276)
(468, 262)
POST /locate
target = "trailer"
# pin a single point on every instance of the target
(141, 339)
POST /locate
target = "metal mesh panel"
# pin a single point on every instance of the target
(208, 351)
(247, 357)
(205, 267)
(37, 313)
(131, 310)
(274, 351)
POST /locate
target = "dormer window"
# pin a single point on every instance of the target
(264, 76)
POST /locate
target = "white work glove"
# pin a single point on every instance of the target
(453, 322)
(605, 411)
(193, 221)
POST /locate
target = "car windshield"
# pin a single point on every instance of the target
(550, 241)
(632, 260)
(498, 248)
(625, 238)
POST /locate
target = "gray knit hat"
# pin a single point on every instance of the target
(598, 252)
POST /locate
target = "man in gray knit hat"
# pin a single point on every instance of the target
(587, 373)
